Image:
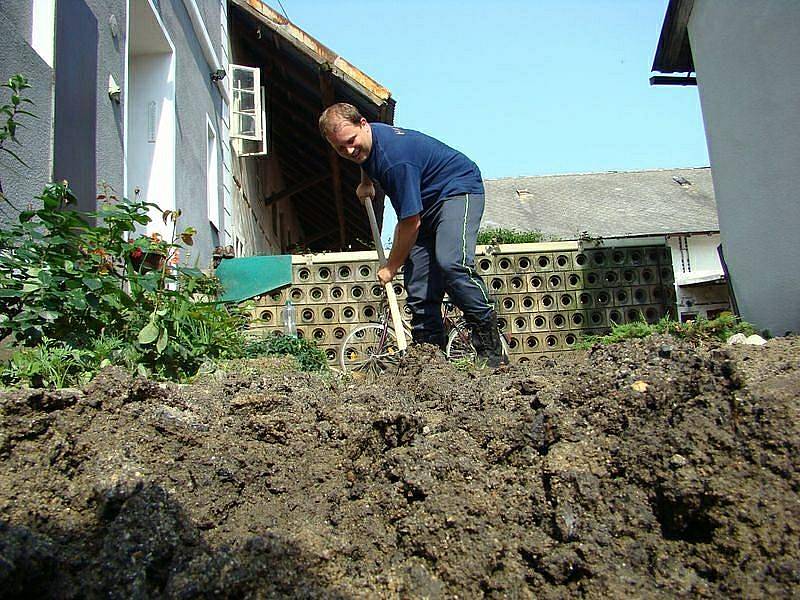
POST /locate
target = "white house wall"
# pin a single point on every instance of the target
(695, 256)
(747, 58)
(151, 145)
(197, 99)
(225, 139)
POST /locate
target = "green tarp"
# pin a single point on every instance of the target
(244, 278)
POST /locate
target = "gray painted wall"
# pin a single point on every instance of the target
(20, 13)
(195, 97)
(89, 155)
(110, 119)
(105, 146)
(747, 58)
(21, 184)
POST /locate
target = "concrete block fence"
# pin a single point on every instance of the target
(547, 295)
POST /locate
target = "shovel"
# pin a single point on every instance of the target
(394, 309)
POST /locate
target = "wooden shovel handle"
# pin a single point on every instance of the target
(394, 308)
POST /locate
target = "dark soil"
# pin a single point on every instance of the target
(647, 469)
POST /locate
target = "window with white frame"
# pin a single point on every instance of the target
(248, 112)
(212, 175)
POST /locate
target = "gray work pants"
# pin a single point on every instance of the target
(443, 260)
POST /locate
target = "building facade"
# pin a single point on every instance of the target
(745, 57)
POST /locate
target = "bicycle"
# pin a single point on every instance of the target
(371, 349)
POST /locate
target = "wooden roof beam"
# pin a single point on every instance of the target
(328, 98)
(295, 189)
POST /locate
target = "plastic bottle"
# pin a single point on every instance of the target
(289, 319)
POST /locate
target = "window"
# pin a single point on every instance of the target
(248, 112)
(212, 176)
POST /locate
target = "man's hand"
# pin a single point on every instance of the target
(365, 191)
(386, 274)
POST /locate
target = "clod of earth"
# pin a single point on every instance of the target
(555, 479)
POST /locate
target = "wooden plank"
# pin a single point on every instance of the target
(666, 80)
(674, 54)
(328, 98)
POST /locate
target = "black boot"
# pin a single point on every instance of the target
(488, 346)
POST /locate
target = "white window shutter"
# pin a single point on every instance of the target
(247, 109)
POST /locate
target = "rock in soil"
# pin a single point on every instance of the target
(553, 479)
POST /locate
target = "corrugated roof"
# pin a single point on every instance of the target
(613, 204)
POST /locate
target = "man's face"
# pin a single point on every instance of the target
(353, 142)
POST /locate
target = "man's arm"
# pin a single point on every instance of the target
(405, 234)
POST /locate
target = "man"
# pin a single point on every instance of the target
(438, 196)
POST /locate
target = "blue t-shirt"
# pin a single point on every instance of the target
(417, 171)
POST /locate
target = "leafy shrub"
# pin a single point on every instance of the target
(75, 297)
(500, 235)
(73, 294)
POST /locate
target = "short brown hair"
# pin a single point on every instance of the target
(330, 118)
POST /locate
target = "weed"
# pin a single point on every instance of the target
(701, 329)
(51, 364)
(464, 364)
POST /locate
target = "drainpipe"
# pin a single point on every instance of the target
(208, 48)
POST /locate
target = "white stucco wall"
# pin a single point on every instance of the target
(747, 59)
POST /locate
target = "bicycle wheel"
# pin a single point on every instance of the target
(369, 350)
(459, 343)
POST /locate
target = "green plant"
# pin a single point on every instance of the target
(50, 364)
(465, 364)
(499, 235)
(701, 329)
(12, 111)
(309, 357)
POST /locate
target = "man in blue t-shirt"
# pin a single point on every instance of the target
(438, 196)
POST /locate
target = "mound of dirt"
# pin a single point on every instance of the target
(647, 469)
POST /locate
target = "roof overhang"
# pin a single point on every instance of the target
(323, 56)
(303, 77)
(674, 52)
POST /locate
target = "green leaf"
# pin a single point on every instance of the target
(78, 301)
(92, 283)
(12, 153)
(45, 277)
(148, 334)
(163, 337)
(49, 315)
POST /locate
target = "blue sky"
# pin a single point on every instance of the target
(523, 87)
